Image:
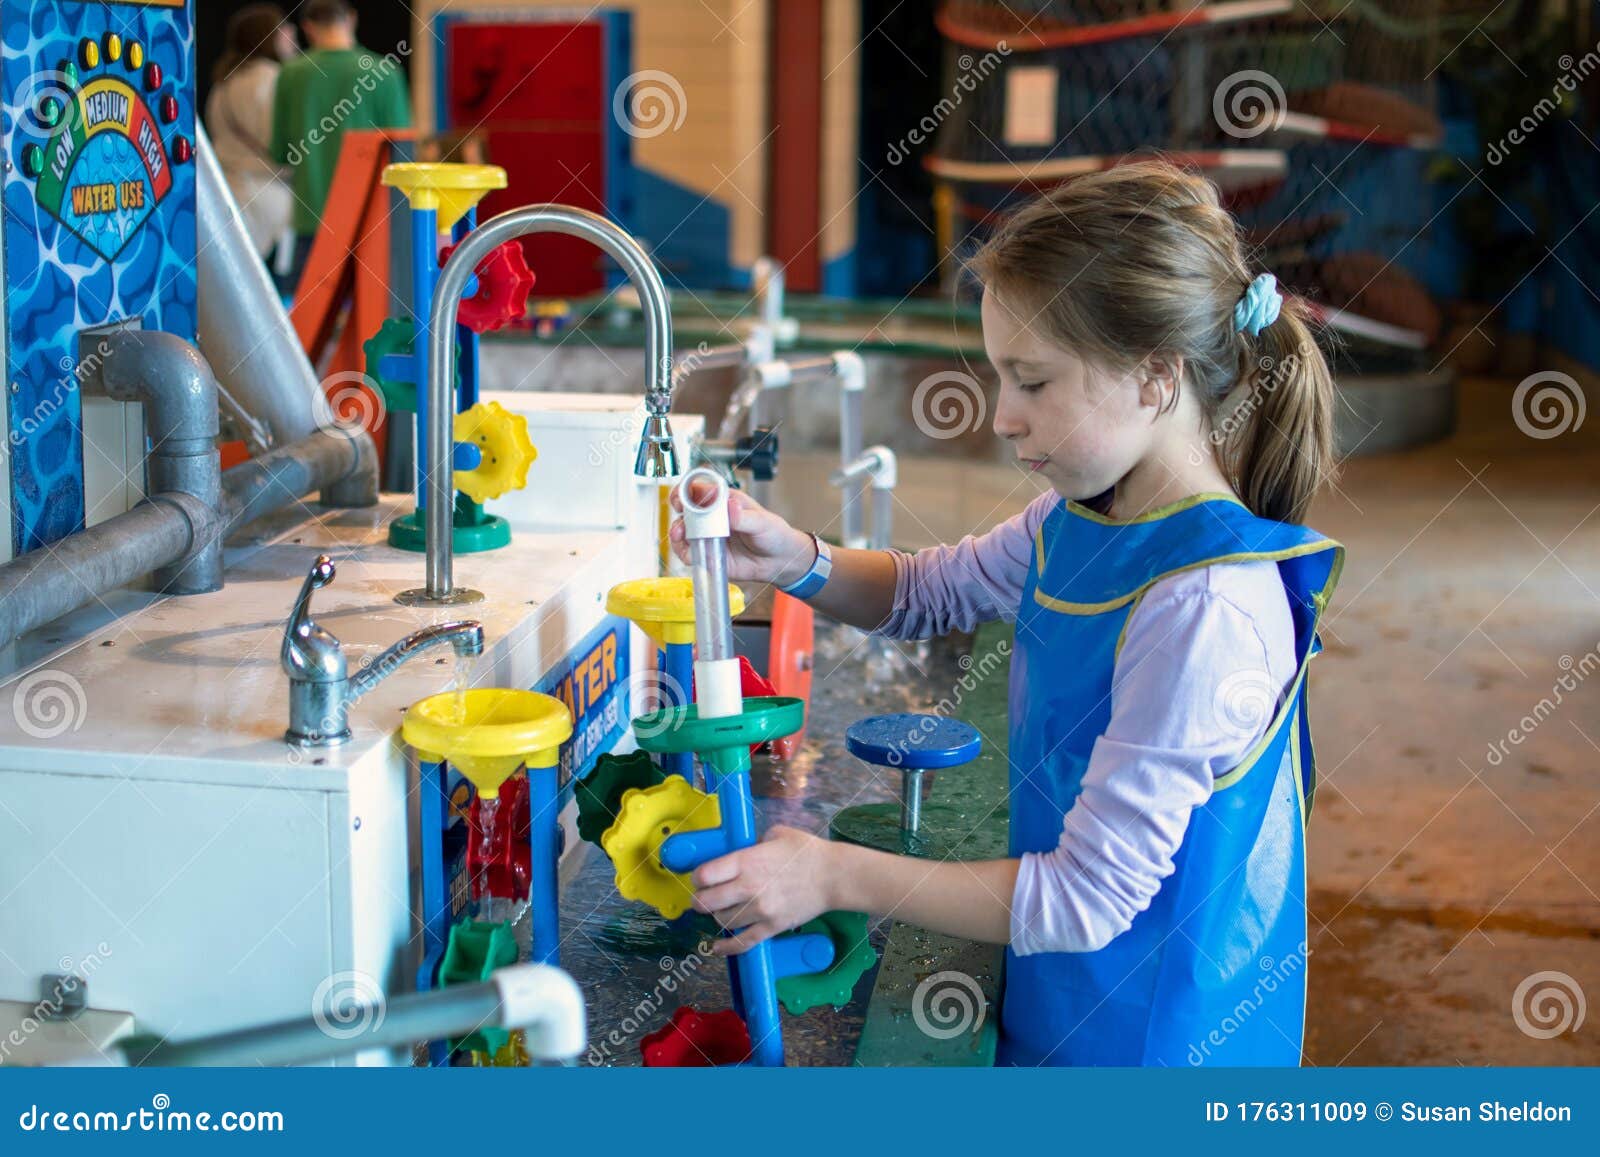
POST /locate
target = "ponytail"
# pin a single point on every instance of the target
(1280, 450)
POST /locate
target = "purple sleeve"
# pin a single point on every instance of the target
(954, 588)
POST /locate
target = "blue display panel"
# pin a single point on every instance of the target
(98, 127)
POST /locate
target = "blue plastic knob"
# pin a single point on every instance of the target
(912, 741)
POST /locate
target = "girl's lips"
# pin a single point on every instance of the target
(1034, 464)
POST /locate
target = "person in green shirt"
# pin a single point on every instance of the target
(335, 86)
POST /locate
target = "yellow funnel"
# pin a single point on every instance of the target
(663, 607)
(488, 732)
(449, 188)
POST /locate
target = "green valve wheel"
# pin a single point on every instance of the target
(397, 335)
(852, 957)
(599, 794)
(673, 730)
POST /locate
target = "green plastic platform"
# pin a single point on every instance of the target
(674, 730)
(474, 531)
(966, 818)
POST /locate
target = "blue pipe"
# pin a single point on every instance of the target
(433, 815)
(753, 975)
(686, 851)
(677, 662)
(424, 275)
(801, 954)
(544, 810)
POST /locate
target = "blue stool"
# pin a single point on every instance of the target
(912, 744)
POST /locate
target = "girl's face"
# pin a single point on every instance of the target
(1080, 427)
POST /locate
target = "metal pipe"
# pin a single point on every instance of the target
(42, 585)
(542, 1001)
(879, 464)
(237, 330)
(911, 800)
(325, 460)
(161, 533)
(656, 457)
(717, 357)
(168, 377)
(260, 366)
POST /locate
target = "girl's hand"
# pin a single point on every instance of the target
(761, 546)
(766, 889)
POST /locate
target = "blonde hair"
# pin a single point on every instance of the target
(1142, 260)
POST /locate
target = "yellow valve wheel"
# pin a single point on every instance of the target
(488, 732)
(449, 188)
(504, 445)
(647, 817)
(663, 607)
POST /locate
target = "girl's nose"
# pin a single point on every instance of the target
(1007, 424)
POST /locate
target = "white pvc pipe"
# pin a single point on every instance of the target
(852, 374)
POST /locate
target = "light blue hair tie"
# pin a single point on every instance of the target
(1259, 307)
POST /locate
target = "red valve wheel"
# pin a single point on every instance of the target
(697, 1040)
(504, 282)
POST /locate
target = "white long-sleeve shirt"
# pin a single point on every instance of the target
(1206, 659)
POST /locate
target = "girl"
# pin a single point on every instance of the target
(1165, 603)
(239, 120)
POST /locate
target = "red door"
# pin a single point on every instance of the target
(536, 92)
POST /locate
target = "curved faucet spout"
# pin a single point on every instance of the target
(656, 457)
(466, 637)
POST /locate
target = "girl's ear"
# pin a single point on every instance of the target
(1160, 379)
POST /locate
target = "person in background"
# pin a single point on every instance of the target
(239, 121)
(335, 86)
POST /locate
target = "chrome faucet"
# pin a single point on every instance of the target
(321, 687)
(656, 457)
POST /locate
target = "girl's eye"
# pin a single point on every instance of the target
(1030, 387)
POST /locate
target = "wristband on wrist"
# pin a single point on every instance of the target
(816, 578)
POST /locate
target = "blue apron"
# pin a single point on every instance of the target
(1213, 972)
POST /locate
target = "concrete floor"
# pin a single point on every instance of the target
(1440, 881)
